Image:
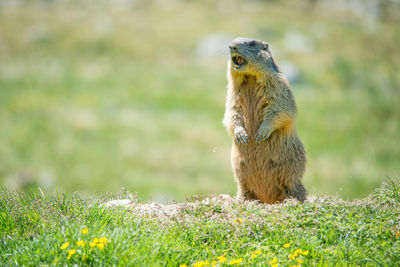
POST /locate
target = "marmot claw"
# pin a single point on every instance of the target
(241, 136)
(262, 134)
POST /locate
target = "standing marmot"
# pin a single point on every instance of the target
(268, 158)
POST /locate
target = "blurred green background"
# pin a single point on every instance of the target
(99, 95)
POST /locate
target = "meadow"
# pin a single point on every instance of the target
(99, 96)
(41, 230)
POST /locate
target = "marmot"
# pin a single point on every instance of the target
(268, 158)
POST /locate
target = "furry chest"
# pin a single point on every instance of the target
(252, 106)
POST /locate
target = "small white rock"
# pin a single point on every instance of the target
(118, 202)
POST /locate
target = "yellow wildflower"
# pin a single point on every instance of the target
(65, 245)
(291, 257)
(201, 263)
(274, 260)
(237, 261)
(70, 253)
(104, 240)
(81, 243)
(286, 245)
(257, 252)
(253, 255)
(85, 231)
(297, 252)
(96, 240)
(237, 220)
(300, 261)
(397, 234)
(221, 258)
(305, 252)
(100, 245)
(294, 266)
(274, 265)
(214, 263)
(183, 265)
(92, 244)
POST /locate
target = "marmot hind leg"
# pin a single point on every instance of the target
(298, 192)
(245, 194)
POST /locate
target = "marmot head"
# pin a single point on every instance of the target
(251, 57)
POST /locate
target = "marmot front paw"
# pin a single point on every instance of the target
(241, 136)
(263, 133)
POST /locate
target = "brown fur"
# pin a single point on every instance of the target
(260, 104)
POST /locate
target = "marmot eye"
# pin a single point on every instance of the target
(252, 43)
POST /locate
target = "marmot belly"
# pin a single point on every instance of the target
(269, 168)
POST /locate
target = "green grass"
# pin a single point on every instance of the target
(34, 226)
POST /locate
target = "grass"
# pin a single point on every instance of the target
(325, 231)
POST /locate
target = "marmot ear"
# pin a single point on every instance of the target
(265, 46)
